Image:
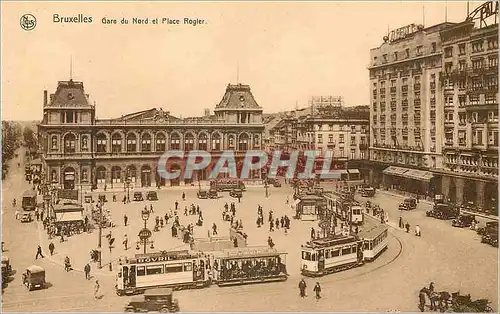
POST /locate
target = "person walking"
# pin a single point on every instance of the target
(17, 214)
(317, 290)
(125, 219)
(183, 196)
(97, 288)
(125, 241)
(151, 208)
(67, 264)
(401, 222)
(417, 231)
(214, 228)
(407, 226)
(302, 288)
(51, 248)
(86, 269)
(39, 252)
(176, 205)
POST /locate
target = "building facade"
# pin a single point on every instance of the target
(470, 96)
(80, 151)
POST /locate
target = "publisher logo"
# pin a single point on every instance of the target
(28, 22)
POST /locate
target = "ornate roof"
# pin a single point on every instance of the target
(69, 94)
(237, 97)
(149, 114)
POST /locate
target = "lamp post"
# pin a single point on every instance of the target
(99, 244)
(145, 233)
(267, 189)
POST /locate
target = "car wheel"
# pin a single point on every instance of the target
(30, 287)
(164, 310)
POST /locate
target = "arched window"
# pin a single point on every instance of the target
(102, 142)
(69, 143)
(202, 141)
(53, 142)
(216, 142)
(175, 141)
(243, 142)
(189, 142)
(160, 142)
(116, 174)
(131, 173)
(116, 143)
(101, 174)
(146, 142)
(131, 142)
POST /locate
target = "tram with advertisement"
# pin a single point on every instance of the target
(339, 252)
(349, 210)
(224, 185)
(194, 269)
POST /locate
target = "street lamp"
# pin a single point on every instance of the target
(145, 233)
(267, 189)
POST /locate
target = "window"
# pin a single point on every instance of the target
(306, 256)
(69, 143)
(477, 46)
(141, 270)
(492, 43)
(477, 64)
(474, 117)
(53, 143)
(353, 154)
(462, 84)
(461, 49)
(493, 62)
(320, 138)
(393, 83)
(102, 142)
(53, 176)
(448, 101)
(405, 80)
(131, 143)
(341, 138)
(216, 142)
(448, 116)
(462, 140)
(493, 138)
(419, 50)
(101, 175)
(330, 138)
(146, 142)
(407, 52)
(474, 99)
(85, 177)
(353, 140)
(448, 66)
(160, 142)
(478, 137)
(492, 116)
(448, 52)
(384, 58)
(417, 79)
(116, 143)
(382, 84)
(462, 118)
(434, 47)
(154, 270)
(173, 268)
(490, 99)
(188, 266)
(346, 250)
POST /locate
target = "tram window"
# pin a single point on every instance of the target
(327, 253)
(154, 270)
(188, 266)
(313, 257)
(335, 252)
(354, 249)
(306, 256)
(371, 245)
(173, 268)
(141, 271)
(346, 250)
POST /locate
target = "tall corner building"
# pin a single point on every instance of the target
(434, 110)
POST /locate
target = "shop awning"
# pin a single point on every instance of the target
(419, 175)
(69, 216)
(395, 171)
(353, 171)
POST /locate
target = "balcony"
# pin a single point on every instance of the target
(416, 103)
(448, 105)
(433, 102)
(416, 86)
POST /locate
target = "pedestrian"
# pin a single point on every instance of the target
(125, 219)
(185, 211)
(417, 231)
(39, 252)
(124, 199)
(176, 205)
(270, 242)
(67, 264)
(96, 289)
(407, 227)
(114, 197)
(86, 269)
(105, 187)
(401, 222)
(41, 215)
(166, 218)
(317, 290)
(271, 226)
(287, 200)
(214, 228)
(183, 196)
(302, 288)
(313, 233)
(17, 214)
(51, 248)
(151, 208)
(125, 241)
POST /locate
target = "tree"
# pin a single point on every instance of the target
(29, 138)
(10, 137)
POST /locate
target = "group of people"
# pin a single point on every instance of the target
(303, 286)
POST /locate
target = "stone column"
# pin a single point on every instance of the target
(445, 186)
(480, 196)
(459, 195)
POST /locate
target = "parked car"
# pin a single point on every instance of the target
(212, 193)
(152, 196)
(442, 211)
(368, 192)
(153, 300)
(34, 277)
(411, 202)
(490, 238)
(138, 197)
(202, 194)
(26, 217)
(463, 220)
(236, 193)
(274, 182)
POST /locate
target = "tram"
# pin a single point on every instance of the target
(176, 269)
(193, 269)
(337, 253)
(347, 209)
(375, 241)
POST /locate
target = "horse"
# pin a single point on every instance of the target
(439, 300)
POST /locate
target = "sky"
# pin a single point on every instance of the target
(286, 52)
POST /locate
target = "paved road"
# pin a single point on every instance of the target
(442, 255)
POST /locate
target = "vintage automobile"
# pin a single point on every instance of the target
(442, 211)
(138, 197)
(154, 300)
(463, 221)
(236, 193)
(274, 182)
(102, 198)
(152, 196)
(411, 202)
(368, 192)
(202, 194)
(34, 277)
(490, 227)
(212, 193)
(490, 238)
(89, 199)
(26, 217)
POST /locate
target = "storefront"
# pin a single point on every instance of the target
(409, 180)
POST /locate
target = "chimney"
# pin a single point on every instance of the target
(207, 112)
(45, 98)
